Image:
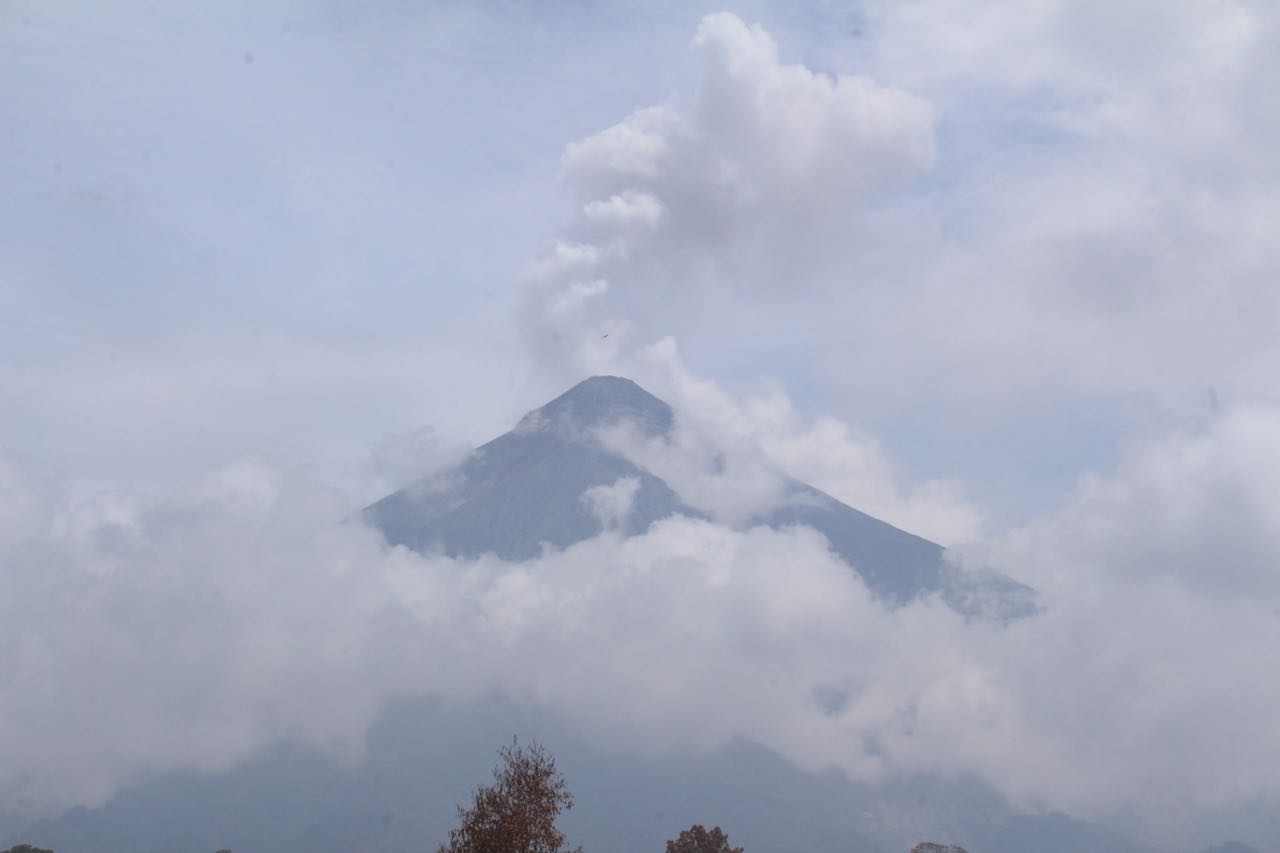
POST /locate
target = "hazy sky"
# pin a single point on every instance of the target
(1005, 274)
(297, 228)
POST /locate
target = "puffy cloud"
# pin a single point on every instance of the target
(1007, 228)
(854, 468)
(626, 207)
(612, 504)
(194, 629)
(730, 456)
(731, 186)
(1197, 507)
(782, 130)
(1117, 254)
(145, 634)
(1159, 580)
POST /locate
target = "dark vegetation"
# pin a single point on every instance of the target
(517, 813)
(695, 839)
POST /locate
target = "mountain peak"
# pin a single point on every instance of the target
(600, 401)
(528, 488)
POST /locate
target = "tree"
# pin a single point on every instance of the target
(695, 839)
(26, 848)
(517, 813)
(931, 847)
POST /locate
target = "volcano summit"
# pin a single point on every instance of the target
(538, 486)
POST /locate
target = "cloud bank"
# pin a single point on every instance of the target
(145, 634)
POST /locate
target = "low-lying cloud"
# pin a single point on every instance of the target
(145, 634)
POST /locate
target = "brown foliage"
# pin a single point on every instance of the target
(695, 839)
(517, 813)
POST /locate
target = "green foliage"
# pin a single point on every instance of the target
(517, 813)
(26, 848)
(696, 839)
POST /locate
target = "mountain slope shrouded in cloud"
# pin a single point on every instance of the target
(556, 480)
(350, 692)
(526, 487)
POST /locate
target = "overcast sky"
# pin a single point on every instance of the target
(1004, 274)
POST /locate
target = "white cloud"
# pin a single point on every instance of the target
(564, 259)
(634, 148)
(853, 468)
(730, 456)
(625, 208)
(198, 628)
(611, 505)
(733, 184)
(1007, 211)
(1159, 581)
(1094, 231)
(782, 129)
(1197, 507)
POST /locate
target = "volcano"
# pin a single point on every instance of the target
(523, 492)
